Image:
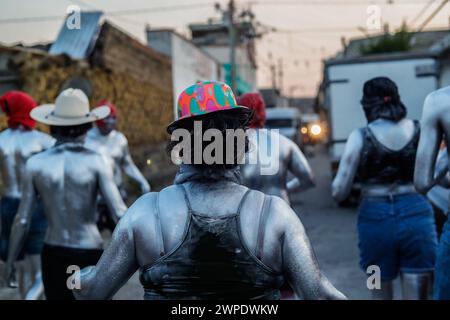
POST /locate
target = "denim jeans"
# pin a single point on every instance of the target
(36, 234)
(397, 234)
(442, 273)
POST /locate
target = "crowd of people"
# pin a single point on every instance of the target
(60, 189)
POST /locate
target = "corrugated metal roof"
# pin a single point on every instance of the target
(77, 43)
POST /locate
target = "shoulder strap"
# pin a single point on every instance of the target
(186, 198)
(262, 226)
(158, 227)
(242, 201)
(417, 128)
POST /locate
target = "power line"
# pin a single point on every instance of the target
(421, 12)
(111, 13)
(334, 3)
(433, 14)
(197, 5)
(89, 6)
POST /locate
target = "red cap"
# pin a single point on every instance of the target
(17, 106)
(255, 102)
(113, 113)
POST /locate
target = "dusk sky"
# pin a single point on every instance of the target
(309, 30)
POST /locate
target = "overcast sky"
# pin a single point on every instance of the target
(309, 30)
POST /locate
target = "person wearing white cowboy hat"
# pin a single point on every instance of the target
(67, 177)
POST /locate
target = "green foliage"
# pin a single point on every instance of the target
(400, 41)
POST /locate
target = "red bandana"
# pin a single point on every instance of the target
(17, 106)
(112, 108)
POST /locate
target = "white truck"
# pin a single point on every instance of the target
(415, 74)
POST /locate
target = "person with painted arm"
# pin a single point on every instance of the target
(396, 226)
(180, 237)
(67, 177)
(435, 128)
(272, 156)
(18, 143)
(105, 139)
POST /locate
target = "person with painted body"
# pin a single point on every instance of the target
(105, 139)
(18, 143)
(68, 177)
(435, 128)
(272, 156)
(395, 224)
(181, 236)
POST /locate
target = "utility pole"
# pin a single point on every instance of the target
(273, 71)
(240, 26)
(280, 74)
(232, 35)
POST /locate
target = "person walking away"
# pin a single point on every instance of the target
(17, 144)
(396, 226)
(68, 178)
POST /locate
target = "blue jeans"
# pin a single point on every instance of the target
(442, 273)
(397, 234)
(35, 239)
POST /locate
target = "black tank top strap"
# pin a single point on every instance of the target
(417, 128)
(158, 227)
(186, 198)
(262, 226)
(242, 201)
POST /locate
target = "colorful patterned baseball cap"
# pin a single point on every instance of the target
(203, 98)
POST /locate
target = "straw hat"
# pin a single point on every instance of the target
(71, 108)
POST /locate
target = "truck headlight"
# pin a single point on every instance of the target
(316, 130)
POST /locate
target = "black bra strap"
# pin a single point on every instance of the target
(262, 226)
(158, 227)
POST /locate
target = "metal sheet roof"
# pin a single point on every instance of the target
(77, 42)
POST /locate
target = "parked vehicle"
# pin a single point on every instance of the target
(287, 120)
(313, 129)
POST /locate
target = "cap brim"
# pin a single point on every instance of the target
(44, 114)
(179, 122)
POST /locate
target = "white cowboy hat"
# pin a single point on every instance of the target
(71, 108)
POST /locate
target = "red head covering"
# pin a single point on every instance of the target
(113, 113)
(255, 102)
(17, 106)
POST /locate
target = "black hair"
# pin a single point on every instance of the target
(221, 120)
(71, 132)
(381, 99)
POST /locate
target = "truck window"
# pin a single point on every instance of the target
(279, 123)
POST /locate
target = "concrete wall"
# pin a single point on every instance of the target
(160, 41)
(189, 63)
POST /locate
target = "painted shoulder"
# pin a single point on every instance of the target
(5, 135)
(141, 210)
(438, 100)
(121, 138)
(37, 161)
(45, 139)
